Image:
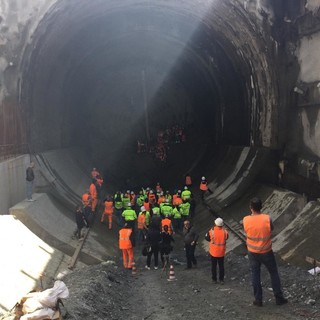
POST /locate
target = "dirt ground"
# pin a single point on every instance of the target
(108, 291)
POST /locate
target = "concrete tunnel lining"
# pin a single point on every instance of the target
(86, 60)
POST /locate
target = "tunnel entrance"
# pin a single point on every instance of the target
(107, 75)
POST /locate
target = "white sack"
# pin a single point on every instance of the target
(39, 315)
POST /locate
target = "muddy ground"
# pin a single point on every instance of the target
(108, 291)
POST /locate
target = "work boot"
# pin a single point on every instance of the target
(281, 300)
(257, 303)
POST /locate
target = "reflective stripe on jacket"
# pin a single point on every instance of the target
(258, 230)
(218, 238)
(124, 238)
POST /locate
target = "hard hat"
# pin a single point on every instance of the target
(148, 189)
(129, 204)
(132, 192)
(203, 178)
(161, 193)
(167, 200)
(128, 191)
(151, 191)
(185, 188)
(143, 209)
(218, 222)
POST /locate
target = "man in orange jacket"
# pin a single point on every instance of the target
(108, 211)
(94, 195)
(258, 227)
(218, 237)
(126, 244)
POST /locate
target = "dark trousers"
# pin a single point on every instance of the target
(214, 262)
(267, 259)
(155, 252)
(190, 255)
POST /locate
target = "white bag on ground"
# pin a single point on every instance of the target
(46, 313)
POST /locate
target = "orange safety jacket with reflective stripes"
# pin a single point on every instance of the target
(141, 221)
(108, 207)
(218, 238)
(93, 191)
(161, 199)
(204, 185)
(124, 238)
(258, 230)
(166, 222)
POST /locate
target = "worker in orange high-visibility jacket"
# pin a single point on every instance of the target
(94, 195)
(188, 181)
(167, 222)
(203, 186)
(108, 211)
(258, 227)
(217, 236)
(126, 244)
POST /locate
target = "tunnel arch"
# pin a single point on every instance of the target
(215, 53)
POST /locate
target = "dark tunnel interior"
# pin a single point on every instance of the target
(103, 76)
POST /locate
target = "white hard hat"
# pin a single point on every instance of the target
(185, 188)
(203, 178)
(143, 208)
(129, 204)
(218, 222)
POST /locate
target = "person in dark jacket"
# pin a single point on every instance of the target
(165, 244)
(153, 239)
(190, 242)
(30, 180)
(80, 221)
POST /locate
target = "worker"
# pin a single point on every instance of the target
(168, 196)
(176, 199)
(258, 227)
(94, 195)
(142, 226)
(80, 221)
(167, 222)
(152, 197)
(86, 198)
(118, 206)
(190, 242)
(203, 186)
(185, 210)
(158, 189)
(217, 236)
(166, 209)
(165, 245)
(146, 204)
(126, 244)
(161, 198)
(99, 183)
(126, 200)
(176, 219)
(129, 216)
(140, 198)
(188, 181)
(133, 199)
(94, 173)
(155, 210)
(108, 211)
(153, 239)
(186, 193)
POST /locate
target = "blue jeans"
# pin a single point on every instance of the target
(29, 189)
(267, 259)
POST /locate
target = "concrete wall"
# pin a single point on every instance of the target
(13, 185)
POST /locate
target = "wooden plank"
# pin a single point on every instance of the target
(75, 256)
(313, 261)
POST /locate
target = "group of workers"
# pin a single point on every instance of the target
(153, 216)
(171, 135)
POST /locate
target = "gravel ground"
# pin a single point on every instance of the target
(107, 291)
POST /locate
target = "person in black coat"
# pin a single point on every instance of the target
(165, 244)
(153, 239)
(80, 221)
